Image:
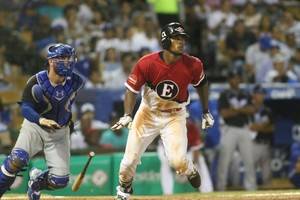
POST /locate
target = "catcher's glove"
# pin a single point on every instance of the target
(124, 121)
(207, 120)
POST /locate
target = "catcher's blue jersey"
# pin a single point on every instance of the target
(56, 99)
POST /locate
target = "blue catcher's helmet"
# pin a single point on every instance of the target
(65, 58)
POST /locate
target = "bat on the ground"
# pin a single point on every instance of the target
(80, 176)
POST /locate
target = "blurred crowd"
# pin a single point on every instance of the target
(258, 39)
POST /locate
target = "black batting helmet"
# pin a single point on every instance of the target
(170, 30)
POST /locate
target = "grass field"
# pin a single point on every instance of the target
(257, 195)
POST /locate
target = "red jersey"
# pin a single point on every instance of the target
(168, 81)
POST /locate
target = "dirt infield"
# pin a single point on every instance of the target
(261, 195)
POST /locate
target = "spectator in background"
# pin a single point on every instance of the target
(295, 62)
(109, 40)
(147, 38)
(28, 16)
(196, 12)
(95, 79)
(124, 18)
(85, 11)
(265, 25)
(143, 52)
(289, 24)
(263, 126)
(87, 131)
(5, 141)
(111, 61)
(116, 139)
(5, 68)
(236, 43)
(84, 62)
(56, 35)
(258, 60)
(72, 27)
(116, 79)
(280, 72)
(97, 24)
(125, 43)
(235, 110)
(251, 16)
(220, 21)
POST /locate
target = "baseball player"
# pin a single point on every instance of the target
(46, 107)
(165, 75)
(263, 125)
(235, 110)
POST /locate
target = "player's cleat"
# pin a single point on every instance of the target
(123, 193)
(33, 194)
(194, 179)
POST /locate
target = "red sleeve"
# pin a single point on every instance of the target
(136, 79)
(198, 72)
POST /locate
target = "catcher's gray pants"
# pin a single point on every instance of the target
(232, 137)
(55, 144)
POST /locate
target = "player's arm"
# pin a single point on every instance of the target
(29, 101)
(200, 82)
(32, 96)
(129, 102)
(247, 110)
(231, 111)
(202, 90)
(227, 110)
(266, 127)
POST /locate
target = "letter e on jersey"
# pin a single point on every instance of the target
(167, 89)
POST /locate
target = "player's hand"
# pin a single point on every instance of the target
(49, 123)
(207, 120)
(124, 121)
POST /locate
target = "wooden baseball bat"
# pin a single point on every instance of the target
(80, 176)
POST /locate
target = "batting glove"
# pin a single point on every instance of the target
(207, 120)
(124, 121)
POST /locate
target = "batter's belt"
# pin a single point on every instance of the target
(171, 110)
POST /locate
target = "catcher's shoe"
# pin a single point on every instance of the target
(123, 193)
(194, 179)
(33, 194)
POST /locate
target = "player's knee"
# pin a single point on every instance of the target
(16, 161)
(57, 182)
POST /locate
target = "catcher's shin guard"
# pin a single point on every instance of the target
(12, 165)
(6, 180)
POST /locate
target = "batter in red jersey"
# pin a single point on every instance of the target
(165, 76)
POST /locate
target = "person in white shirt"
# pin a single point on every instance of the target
(87, 129)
